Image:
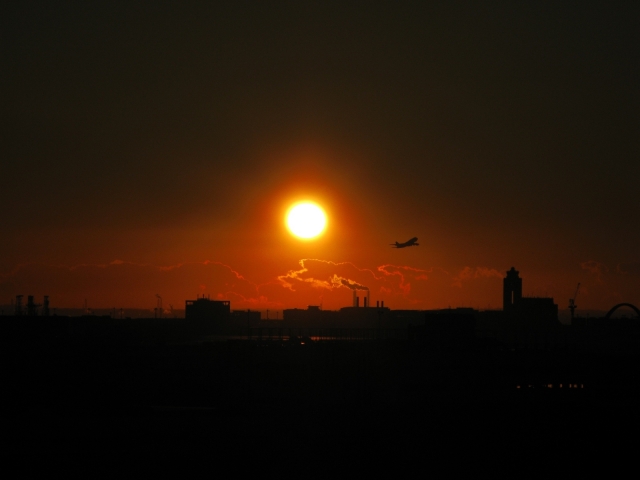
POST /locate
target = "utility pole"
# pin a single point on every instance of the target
(159, 306)
(45, 306)
(572, 302)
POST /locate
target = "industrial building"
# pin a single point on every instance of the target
(203, 308)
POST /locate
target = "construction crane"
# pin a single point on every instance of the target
(572, 301)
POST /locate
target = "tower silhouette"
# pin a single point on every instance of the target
(512, 290)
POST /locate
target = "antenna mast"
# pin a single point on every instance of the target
(572, 302)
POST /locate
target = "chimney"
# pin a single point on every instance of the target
(45, 306)
(354, 299)
(357, 301)
(18, 305)
(31, 306)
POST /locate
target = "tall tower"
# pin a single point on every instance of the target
(512, 292)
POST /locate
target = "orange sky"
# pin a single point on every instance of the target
(156, 152)
(254, 261)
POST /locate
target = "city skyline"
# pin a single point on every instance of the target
(335, 289)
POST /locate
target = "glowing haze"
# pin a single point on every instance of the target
(158, 151)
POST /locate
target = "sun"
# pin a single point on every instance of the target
(306, 220)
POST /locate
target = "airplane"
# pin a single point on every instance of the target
(408, 243)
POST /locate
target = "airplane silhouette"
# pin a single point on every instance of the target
(408, 243)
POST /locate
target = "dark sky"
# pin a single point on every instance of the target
(500, 133)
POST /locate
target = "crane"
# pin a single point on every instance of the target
(572, 301)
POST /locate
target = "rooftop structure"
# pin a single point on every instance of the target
(205, 309)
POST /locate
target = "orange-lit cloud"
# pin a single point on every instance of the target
(606, 286)
(121, 283)
(402, 272)
(327, 274)
(401, 286)
(316, 281)
(628, 268)
(469, 273)
(595, 268)
(130, 284)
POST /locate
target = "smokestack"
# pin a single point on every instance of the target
(357, 301)
(31, 306)
(366, 302)
(45, 306)
(382, 305)
(18, 305)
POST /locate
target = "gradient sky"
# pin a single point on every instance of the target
(154, 147)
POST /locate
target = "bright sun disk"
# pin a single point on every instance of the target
(306, 220)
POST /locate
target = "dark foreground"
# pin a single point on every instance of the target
(322, 406)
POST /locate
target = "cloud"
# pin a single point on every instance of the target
(405, 286)
(325, 274)
(628, 268)
(404, 274)
(607, 286)
(595, 268)
(299, 276)
(130, 284)
(471, 273)
(122, 283)
(385, 280)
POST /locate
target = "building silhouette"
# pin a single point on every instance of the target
(205, 309)
(540, 310)
(512, 290)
